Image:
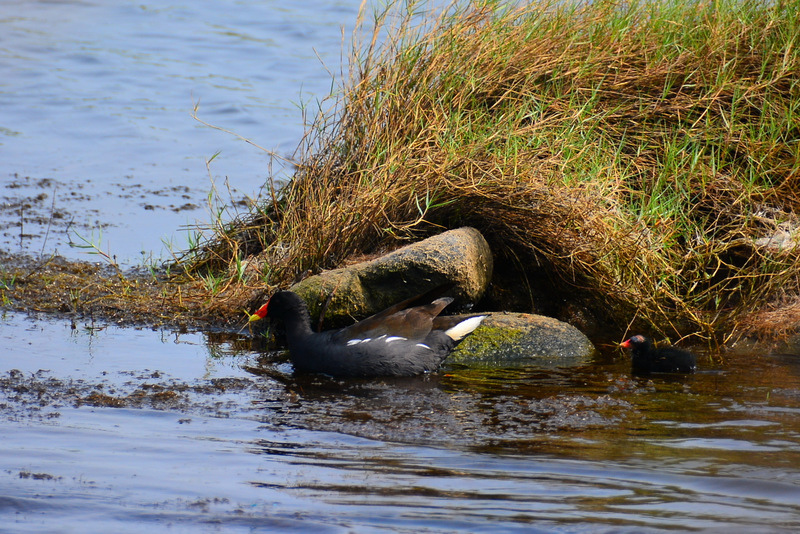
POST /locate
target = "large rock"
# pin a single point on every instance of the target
(461, 257)
(521, 339)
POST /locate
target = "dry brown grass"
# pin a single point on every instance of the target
(629, 154)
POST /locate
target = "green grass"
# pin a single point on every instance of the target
(628, 155)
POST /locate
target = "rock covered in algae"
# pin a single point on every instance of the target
(461, 257)
(521, 339)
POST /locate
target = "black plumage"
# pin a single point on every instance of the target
(399, 341)
(647, 359)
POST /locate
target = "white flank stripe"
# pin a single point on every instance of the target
(353, 342)
(394, 338)
(424, 346)
(465, 327)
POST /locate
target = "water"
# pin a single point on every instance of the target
(95, 113)
(125, 430)
(128, 430)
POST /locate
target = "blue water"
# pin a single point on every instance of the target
(97, 98)
(199, 443)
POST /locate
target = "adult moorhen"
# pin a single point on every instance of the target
(399, 341)
(645, 359)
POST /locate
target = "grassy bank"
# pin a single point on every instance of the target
(638, 159)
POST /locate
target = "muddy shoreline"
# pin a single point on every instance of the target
(98, 291)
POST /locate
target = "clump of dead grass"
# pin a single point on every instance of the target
(634, 152)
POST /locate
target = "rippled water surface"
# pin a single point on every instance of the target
(96, 134)
(108, 429)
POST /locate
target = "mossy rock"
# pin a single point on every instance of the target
(521, 339)
(461, 258)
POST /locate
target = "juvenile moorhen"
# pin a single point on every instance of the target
(645, 359)
(399, 341)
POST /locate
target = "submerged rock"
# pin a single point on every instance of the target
(461, 257)
(522, 339)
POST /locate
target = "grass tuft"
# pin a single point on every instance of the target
(641, 157)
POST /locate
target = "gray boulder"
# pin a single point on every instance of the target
(461, 257)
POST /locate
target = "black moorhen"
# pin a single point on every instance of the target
(399, 341)
(645, 359)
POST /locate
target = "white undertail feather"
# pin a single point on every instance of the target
(465, 327)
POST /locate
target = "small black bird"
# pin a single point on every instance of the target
(645, 359)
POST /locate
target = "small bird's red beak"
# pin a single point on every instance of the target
(260, 313)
